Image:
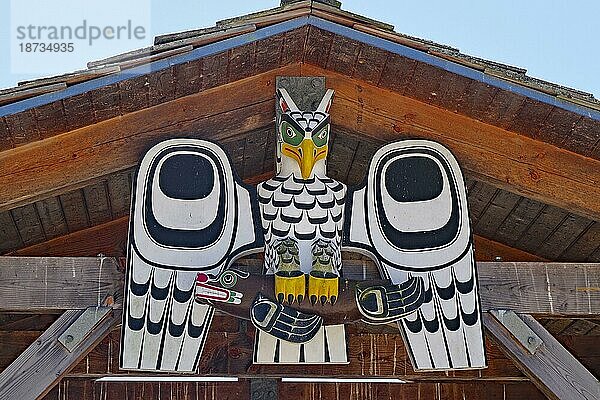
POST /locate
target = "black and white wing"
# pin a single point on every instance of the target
(190, 213)
(411, 216)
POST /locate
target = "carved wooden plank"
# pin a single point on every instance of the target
(214, 70)
(50, 119)
(49, 284)
(293, 46)
(6, 141)
(425, 82)
(530, 117)
(106, 102)
(370, 63)
(46, 361)
(452, 91)
(23, 127)
(551, 368)
(583, 136)
(134, 93)
(161, 87)
(397, 73)
(318, 46)
(78, 111)
(268, 53)
(558, 126)
(343, 55)
(241, 61)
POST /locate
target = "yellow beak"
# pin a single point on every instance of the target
(307, 157)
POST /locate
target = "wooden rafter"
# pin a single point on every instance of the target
(505, 159)
(508, 160)
(51, 284)
(550, 367)
(76, 283)
(43, 364)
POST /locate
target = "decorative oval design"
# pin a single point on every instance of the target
(175, 174)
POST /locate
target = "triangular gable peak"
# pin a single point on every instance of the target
(510, 132)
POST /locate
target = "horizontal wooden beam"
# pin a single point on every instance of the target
(54, 284)
(50, 284)
(550, 367)
(43, 364)
(71, 160)
(502, 158)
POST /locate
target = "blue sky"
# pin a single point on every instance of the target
(553, 40)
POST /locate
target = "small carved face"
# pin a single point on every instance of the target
(303, 144)
(304, 135)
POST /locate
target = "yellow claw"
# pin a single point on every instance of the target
(322, 289)
(290, 288)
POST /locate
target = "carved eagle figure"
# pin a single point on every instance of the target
(192, 217)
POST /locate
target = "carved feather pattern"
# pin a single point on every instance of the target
(306, 210)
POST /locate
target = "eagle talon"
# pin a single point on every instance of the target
(290, 288)
(322, 288)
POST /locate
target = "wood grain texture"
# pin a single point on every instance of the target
(371, 355)
(52, 218)
(546, 289)
(46, 361)
(503, 158)
(28, 224)
(109, 239)
(50, 284)
(490, 250)
(9, 235)
(61, 163)
(88, 389)
(551, 368)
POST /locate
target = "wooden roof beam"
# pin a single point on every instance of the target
(550, 366)
(74, 159)
(51, 284)
(505, 159)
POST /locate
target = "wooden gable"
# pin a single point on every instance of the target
(530, 151)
